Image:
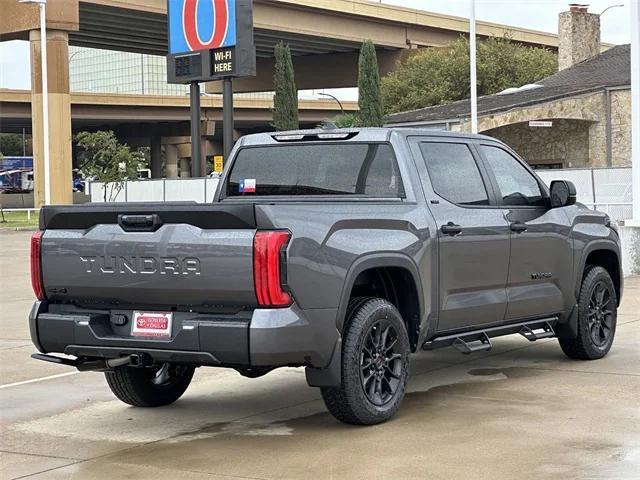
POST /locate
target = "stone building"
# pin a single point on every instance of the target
(578, 117)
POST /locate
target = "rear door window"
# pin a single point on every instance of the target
(364, 169)
(454, 173)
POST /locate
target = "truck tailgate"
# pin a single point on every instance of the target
(154, 255)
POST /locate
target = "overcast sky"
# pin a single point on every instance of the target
(533, 14)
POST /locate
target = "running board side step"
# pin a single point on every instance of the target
(532, 334)
(480, 340)
(479, 345)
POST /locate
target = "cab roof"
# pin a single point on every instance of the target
(367, 134)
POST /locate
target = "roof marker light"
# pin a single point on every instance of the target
(288, 138)
(334, 136)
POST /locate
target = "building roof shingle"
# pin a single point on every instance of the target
(609, 69)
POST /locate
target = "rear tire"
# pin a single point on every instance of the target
(375, 364)
(150, 387)
(597, 312)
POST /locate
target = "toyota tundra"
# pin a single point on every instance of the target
(341, 251)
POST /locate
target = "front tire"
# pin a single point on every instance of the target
(597, 317)
(150, 387)
(375, 364)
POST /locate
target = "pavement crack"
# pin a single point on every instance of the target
(39, 455)
(581, 371)
(223, 475)
(48, 470)
(15, 347)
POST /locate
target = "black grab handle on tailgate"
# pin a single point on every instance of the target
(139, 223)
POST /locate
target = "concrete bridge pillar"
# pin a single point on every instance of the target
(184, 154)
(156, 156)
(60, 181)
(171, 161)
(185, 167)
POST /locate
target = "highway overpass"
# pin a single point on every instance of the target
(324, 36)
(157, 121)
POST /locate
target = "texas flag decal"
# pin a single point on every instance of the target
(248, 185)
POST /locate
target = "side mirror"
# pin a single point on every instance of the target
(563, 193)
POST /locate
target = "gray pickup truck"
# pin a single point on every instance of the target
(342, 251)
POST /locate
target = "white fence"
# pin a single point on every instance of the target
(606, 189)
(199, 190)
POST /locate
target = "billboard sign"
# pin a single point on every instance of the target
(209, 40)
(201, 25)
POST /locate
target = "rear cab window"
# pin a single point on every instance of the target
(306, 169)
(454, 173)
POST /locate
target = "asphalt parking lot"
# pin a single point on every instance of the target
(522, 410)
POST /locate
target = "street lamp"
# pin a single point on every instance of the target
(73, 55)
(45, 94)
(635, 111)
(472, 67)
(335, 98)
(610, 7)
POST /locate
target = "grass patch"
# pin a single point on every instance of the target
(14, 220)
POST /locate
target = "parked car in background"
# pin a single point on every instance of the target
(16, 181)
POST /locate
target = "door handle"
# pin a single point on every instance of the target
(518, 227)
(451, 229)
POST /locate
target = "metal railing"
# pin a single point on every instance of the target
(605, 189)
(199, 190)
(28, 210)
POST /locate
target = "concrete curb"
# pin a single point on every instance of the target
(17, 229)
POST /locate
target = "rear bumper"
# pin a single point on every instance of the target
(262, 337)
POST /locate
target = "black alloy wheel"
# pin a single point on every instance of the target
(600, 314)
(374, 364)
(380, 364)
(595, 318)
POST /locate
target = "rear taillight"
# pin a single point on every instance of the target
(268, 268)
(36, 266)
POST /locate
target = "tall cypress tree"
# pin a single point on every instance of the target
(285, 100)
(369, 98)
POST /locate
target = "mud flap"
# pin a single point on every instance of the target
(329, 376)
(567, 327)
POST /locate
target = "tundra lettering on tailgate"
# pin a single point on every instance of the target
(141, 265)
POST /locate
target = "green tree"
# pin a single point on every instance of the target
(369, 99)
(433, 76)
(106, 160)
(11, 144)
(346, 120)
(285, 100)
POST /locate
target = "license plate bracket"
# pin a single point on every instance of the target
(152, 324)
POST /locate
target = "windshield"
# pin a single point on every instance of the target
(366, 169)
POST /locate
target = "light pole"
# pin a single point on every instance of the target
(635, 110)
(335, 98)
(42, 5)
(73, 55)
(472, 65)
(610, 7)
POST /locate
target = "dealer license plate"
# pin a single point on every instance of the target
(151, 324)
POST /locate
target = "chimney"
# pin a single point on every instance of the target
(578, 35)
